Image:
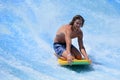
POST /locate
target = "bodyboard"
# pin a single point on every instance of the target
(75, 62)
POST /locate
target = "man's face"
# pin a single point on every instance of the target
(77, 24)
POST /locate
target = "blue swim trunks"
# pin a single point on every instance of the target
(60, 48)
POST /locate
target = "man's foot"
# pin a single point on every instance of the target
(60, 57)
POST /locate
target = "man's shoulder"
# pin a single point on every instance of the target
(80, 31)
(66, 26)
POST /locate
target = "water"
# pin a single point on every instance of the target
(27, 29)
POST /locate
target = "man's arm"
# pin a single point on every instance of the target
(68, 41)
(68, 44)
(81, 47)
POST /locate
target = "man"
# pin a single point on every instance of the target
(63, 41)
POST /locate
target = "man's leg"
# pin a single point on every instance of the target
(60, 57)
(76, 53)
(65, 54)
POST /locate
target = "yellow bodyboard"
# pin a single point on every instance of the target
(75, 62)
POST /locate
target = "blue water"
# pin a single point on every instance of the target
(27, 29)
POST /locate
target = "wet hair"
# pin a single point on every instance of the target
(75, 18)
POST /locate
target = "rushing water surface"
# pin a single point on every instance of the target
(27, 29)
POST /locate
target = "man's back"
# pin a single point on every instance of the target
(60, 35)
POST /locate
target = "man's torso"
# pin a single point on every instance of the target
(60, 35)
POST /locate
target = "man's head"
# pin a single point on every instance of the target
(78, 19)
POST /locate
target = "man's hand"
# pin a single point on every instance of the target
(70, 58)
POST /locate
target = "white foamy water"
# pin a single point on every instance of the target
(27, 29)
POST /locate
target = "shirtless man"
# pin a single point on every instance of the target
(63, 41)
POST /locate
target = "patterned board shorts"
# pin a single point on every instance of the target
(60, 48)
